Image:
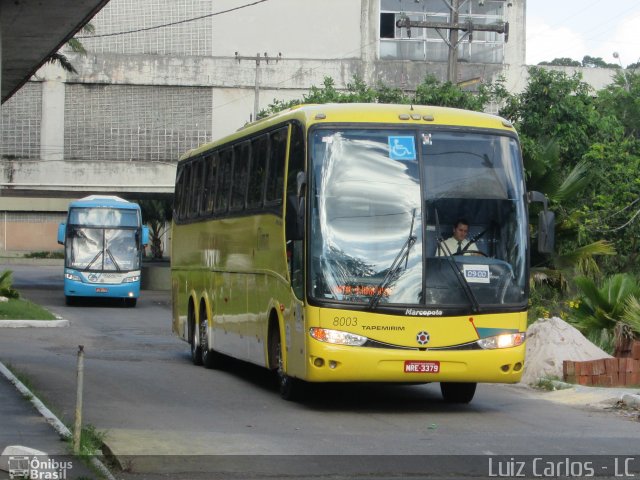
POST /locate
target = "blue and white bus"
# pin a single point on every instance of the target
(103, 242)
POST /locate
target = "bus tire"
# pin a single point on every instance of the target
(194, 341)
(130, 302)
(454, 392)
(69, 300)
(290, 388)
(210, 358)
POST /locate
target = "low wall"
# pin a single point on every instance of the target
(156, 276)
(605, 372)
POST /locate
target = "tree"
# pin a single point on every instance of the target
(611, 307)
(76, 46)
(429, 92)
(156, 213)
(562, 62)
(597, 62)
(555, 106)
(621, 99)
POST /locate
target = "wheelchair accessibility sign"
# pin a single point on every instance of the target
(402, 148)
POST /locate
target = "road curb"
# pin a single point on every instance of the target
(33, 323)
(51, 419)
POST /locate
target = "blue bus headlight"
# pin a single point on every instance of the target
(135, 278)
(337, 337)
(506, 340)
(72, 276)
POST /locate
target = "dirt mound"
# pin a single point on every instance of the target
(549, 342)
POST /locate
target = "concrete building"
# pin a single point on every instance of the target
(163, 76)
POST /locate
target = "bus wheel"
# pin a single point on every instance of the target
(130, 302)
(290, 388)
(69, 300)
(196, 355)
(457, 392)
(209, 357)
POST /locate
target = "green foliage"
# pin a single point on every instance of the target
(429, 92)
(19, 309)
(597, 62)
(610, 208)
(6, 285)
(91, 441)
(621, 99)
(57, 254)
(611, 307)
(555, 107)
(562, 62)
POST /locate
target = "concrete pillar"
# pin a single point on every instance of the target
(370, 18)
(52, 124)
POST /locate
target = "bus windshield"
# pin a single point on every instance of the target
(383, 200)
(93, 244)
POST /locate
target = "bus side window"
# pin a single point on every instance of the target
(225, 172)
(210, 182)
(275, 172)
(196, 188)
(258, 173)
(177, 199)
(241, 159)
(186, 191)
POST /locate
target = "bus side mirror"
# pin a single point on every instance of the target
(546, 231)
(546, 224)
(62, 228)
(145, 235)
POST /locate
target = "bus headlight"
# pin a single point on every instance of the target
(135, 278)
(506, 340)
(72, 276)
(337, 337)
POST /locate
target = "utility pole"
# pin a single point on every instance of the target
(453, 40)
(265, 56)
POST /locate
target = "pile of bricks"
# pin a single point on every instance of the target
(606, 372)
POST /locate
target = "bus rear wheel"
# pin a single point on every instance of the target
(209, 357)
(196, 355)
(453, 392)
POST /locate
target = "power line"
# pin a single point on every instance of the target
(173, 23)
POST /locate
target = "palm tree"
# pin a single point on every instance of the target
(76, 46)
(558, 269)
(612, 308)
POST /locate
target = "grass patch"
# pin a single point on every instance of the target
(19, 309)
(90, 441)
(56, 254)
(551, 384)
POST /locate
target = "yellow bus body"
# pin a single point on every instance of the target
(234, 271)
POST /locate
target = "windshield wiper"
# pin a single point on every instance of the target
(475, 306)
(113, 260)
(403, 254)
(93, 261)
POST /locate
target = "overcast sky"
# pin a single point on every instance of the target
(575, 28)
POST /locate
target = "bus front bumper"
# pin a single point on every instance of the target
(337, 363)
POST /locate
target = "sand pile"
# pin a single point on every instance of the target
(549, 342)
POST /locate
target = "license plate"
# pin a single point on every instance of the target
(102, 290)
(421, 366)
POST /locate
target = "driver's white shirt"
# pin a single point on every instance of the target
(451, 247)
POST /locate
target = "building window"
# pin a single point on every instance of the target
(426, 44)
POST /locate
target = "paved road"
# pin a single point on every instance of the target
(164, 416)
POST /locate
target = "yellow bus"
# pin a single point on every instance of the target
(308, 243)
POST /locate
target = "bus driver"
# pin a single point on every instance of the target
(457, 244)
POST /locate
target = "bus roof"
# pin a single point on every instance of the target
(103, 201)
(363, 113)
